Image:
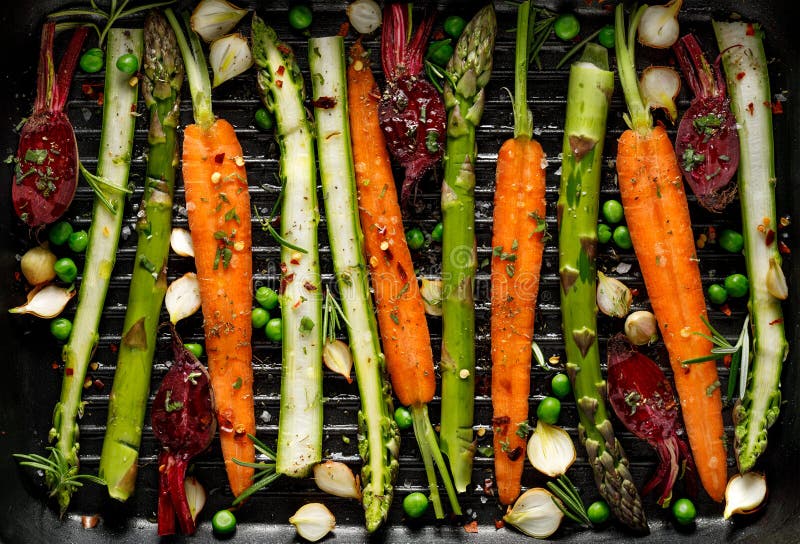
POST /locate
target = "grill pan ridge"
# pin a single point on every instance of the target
(29, 387)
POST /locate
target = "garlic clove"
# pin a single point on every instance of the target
(745, 493)
(195, 495)
(181, 242)
(313, 521)
(658, 27)
(38, 265)
(365, 16)
(535, 513)
(641, 328)
(183, 297)
(337, 479)
(613, 297)
(214, 18)
(776, 281)
(45, 301)
(229, 56)
(431, 291)
(337, 357)
(550, 449)
(660, 86)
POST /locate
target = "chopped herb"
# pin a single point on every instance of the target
(394, 317)
(238, 383)
(713, 174)
(223, 197)
(191, 377)
(403, 290)
(691, 159)
(711, 388)
(508, 257)
(306, 324)
(231, 214)
(514, 245)
(36, 156)
(432, 141)
(708, 124)
(504, 446)
(632, 399)
(147, 264)
(724, 158)
(169, 405)
(510, 270)
(383, 192)
(523, 429)
(540, 222)
(220, 235)
(497, 251)
(10, 159)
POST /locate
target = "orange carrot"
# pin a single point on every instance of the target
(400, 310)
(651, 186)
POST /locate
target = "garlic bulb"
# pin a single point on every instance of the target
(365, 15)
(337, 479)
(776, 281)
(181, 242)
(659, 26)
(613, 297)
(550, 449)
(229, 56)
(337, 357)
(214, 18)
(535, 513)
(38, 265)
(745, 493)
(660, 86)
(182, 298)
(313, 521)
(431, 291)
(641, 328)
(45, 301)
(195, 495)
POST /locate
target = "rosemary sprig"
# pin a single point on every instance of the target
(266, 224)
(97, 182)
(115, 12)
(577, 48)
(266, 470)
(330, 318)
(569, 500)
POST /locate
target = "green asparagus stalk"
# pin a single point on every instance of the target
(281, 85)
(745, 65)
(162, 78)
(379, 438)
(590, 87)
(116, 143)
(469, 70)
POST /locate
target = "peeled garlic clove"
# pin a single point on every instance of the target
(337, 479)
(658, 27)
(641, 328)
(550, 449)
(776, 281)
(431, 291)
(745, 493)
(365, 15)
(613, 297)
(337, 357)
(183, 297)
(313, 521)
(660, 86)
(535, 513)
(214, 18)
(195, 495)
(38, 265)
(181, 242)
(46, 301)
(229, 56)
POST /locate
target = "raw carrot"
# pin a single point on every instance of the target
(517, 247)
(651, 186)
(218, 205)
(401, 312)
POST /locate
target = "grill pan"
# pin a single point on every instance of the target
(32, 377)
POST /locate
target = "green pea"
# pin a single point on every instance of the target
(549, 410)
(684, 511)
(300, 17)
(454, 26)
(274, 329)
(223, 522)
(603, 233)
(259, 317)
(415, 504)
(78, 241)
(439, 52)
(560, 385)
(128, 63)
(736, 285)
(264, 119)
(438, 232)
(598, 512)
(66, 270)
(403, 417)
(267, 297)
(92, 60)
(717, 293)
(606, 37)
(567, 26)
(59, 233)
(415, 238)
(196, 349)
(622, 237)
(612, 211)
(730, 240)
(60, 328)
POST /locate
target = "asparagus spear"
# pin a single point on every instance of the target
(162, 78)
(745, 67)
(379, 438)
(469, 69)
(590, 87)
(300, 426)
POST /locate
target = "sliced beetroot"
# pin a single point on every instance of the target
(644, 401)
(46, 173)
(183, 421)
(707, 144)
(411, 111)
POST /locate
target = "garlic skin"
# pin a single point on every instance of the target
(745, 493)
(550, 449)
(38, 265)
(660, 86)
(229, 56)
(337, 479)
(365, 16)
(659, 26)
(195, 495)
(45, 301)
(613, 297)
(431, 291)
(641, 328)
(776, 281)
(214, 18)
(182, 298)
(180, 240)
(337, 357)
(535, 513)
(313, 521)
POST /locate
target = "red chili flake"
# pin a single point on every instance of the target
(324, 102)
(777, 107)
(488, 486)
(727, 361)
(87, 89)
(100, 99)
(725, 309)
(69, 371)
(740, 75)
(284, 49)
(90, 522)
(776, 321)
(344, 29)
(279, 83)
(634, 292)
(297, 304)
(285, 280)
(502, 420)
(499, 524)
(294, 260)
(284, 268)
(219, 157)
(54, 365)
(751, 108)
(114, 348)
(712, 235)
(783, 248)
(438, 35)
(310, 286)
(17, 276)
(471, 527)
(770, 237)
(99, 385)
(514, 454)
(281, 70)
(750, 30)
